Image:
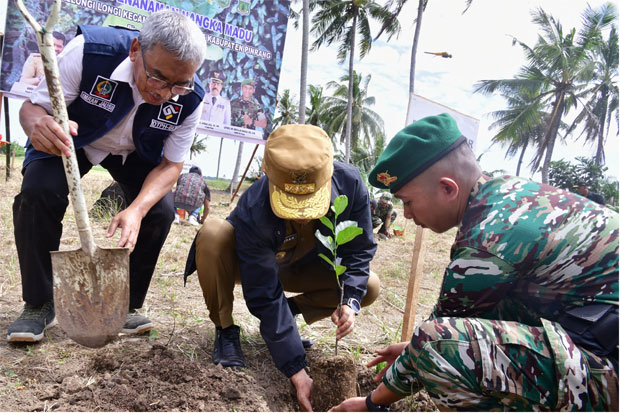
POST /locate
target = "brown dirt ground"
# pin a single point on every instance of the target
(171, 369)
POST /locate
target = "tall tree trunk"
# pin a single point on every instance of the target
(219, 157)
(233, 181)
(521, 159)
(347, 141)
(304, 61)
(414, 47)
(599, 159)
(553, 133)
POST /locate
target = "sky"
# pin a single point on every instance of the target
(480, 41)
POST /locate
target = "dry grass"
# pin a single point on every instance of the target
(179, 312)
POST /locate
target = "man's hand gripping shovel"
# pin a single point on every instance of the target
(91, 285)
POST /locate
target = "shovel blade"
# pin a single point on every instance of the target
(91, 294)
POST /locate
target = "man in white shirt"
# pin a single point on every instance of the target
(134, 102)
(216, 108)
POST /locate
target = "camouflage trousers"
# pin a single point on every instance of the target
(483, 365)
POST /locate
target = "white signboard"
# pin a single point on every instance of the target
(421, 107)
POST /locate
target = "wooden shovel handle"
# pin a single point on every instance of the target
(45, 39)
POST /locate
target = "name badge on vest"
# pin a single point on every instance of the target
(168, 116)
(101, 93)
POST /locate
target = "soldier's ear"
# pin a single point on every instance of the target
(448, 188)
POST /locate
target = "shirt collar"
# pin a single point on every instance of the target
(124, 72)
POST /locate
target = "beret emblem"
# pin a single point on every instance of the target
(385, 178)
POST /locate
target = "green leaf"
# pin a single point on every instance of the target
(347, 235)
(325, 221)
(344, 224)
(331, 264)
(340, 269)
(340, 204)
(328, 241)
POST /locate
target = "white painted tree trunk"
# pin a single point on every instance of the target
(59, 108)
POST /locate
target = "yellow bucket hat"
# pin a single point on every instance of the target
(298, 162)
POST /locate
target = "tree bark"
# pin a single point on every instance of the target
(347, 141)
(304, 61)
(600, 145)
(521, 159)
(414, 47)
(233, 181)
(553, 132)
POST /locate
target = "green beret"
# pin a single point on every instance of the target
(247, 82)
(414, 149)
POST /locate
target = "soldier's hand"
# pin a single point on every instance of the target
(247, 121)
(388, 355)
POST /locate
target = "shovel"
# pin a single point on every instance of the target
(91, 285)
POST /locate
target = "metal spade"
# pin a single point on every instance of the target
(91, 284)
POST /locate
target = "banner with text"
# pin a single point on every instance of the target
(245, 40)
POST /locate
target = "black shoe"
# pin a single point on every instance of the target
(136, 323)
(307, 342)
(31, 324)
(227, 349)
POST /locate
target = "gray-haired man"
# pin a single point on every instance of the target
(134, 102)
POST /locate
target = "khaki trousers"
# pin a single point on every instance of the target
(218, 272)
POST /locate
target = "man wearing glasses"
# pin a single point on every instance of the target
(134, 102)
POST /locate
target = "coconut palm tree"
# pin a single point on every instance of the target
(314, 114)
(287, 110)
(340, 21)
(199, 145)
(602, 95)
(558, 67)
(365, 123)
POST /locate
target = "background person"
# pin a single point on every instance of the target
(267, 244)
(246, 111)
(527, 316)
(32, 71)
(216, 108)
(192, 193)
(134, 107)
(582, 189)
(383, 214)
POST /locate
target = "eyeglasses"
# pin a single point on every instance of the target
(157, 83)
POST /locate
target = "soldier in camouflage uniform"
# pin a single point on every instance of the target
(246, 112)
(527, 317)
(383, 213)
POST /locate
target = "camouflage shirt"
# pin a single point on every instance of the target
(240, 107)
(382, 210)
(525, 252)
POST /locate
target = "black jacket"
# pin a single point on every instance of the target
(259, 234)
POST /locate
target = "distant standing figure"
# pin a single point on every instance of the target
(246, 111)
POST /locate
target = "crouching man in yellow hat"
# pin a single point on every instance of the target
(267, 244)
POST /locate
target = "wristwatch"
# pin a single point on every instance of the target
(354, 304)
(376, 407)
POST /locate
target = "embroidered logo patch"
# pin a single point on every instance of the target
(170, 112)
(103, 88)
(385, 178)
